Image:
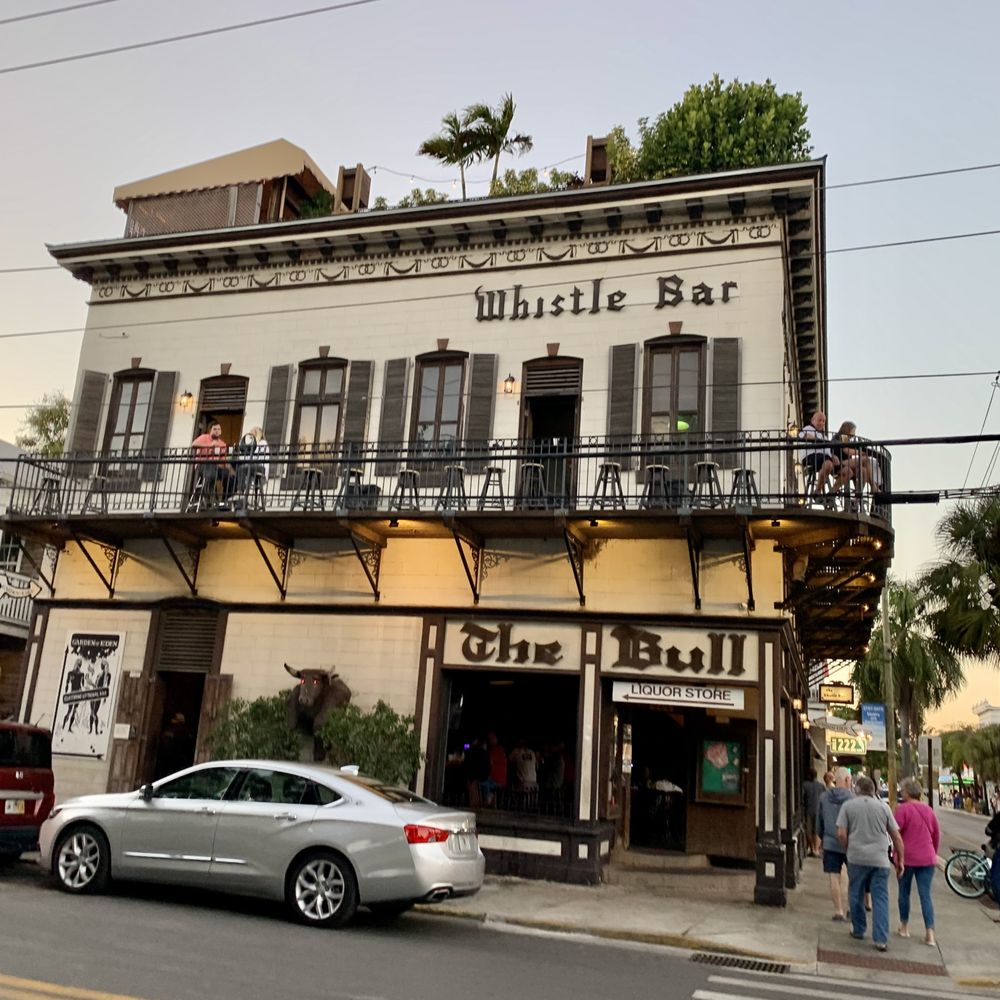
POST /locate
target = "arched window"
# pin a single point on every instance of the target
(674, 385)
(319, 404)
(128, 411)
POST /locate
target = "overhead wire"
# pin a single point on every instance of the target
(187, 36)
(440, 297)
(54, 10)
(989, 403)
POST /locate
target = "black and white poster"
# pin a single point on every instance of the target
(91, 667)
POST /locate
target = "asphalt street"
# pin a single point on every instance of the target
(157, 943)
(960, 829)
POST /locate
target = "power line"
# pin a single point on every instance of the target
(55, 10)
(996, 383)
(461, 295)
(185, 37)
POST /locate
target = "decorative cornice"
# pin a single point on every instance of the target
(317, 272)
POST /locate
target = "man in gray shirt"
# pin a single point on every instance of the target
(864, 828)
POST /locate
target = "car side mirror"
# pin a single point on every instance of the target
(146, 792)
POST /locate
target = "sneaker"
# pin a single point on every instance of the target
(857, 937)
(881, 946)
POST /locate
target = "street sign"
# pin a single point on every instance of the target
(935, 744)
(702, 695)
(873, 723)
(836, 694)
(846, 743)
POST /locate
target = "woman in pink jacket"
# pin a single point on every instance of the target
(918, 826)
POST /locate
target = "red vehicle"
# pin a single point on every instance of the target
(26, 786)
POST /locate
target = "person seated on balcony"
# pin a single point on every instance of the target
(820, 459)
(855, 466)
(251, 457)
(212, 464)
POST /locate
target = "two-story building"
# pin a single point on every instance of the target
(531, 477)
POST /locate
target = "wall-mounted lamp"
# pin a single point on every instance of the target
(797, 704)
(508, 385)
(186, 402)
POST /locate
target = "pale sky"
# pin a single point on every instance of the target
(892, 89)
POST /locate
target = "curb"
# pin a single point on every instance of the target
(659, 939)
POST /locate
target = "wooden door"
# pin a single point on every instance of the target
(218, 691)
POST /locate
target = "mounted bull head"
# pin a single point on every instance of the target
(310, 702)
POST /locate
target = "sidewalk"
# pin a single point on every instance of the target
(801, 934)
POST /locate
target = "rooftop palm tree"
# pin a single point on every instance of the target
(965, 586)
(491, 132)
(924, 670)
(453, 145)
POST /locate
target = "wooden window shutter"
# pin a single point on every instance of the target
(218, 691)
(392, 421)
(276, 410)
(158, 422)
(479, 413)
(726, 398)
(87, 414)
(359, 391)
(126, 754)
(621, 399)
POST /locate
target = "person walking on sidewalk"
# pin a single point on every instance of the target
(918, 826)
(812, 789)
(863, 825)
(834, 856)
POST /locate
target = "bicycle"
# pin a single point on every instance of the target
(968, 873)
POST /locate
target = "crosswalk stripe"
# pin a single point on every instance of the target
(908, 991)
(711, 995)
(16, 988)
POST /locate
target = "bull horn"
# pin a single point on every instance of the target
(294, 673)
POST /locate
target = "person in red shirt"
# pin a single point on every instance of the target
(211, 458)
(918, 826)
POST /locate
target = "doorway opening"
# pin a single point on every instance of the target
(223, 400)
(176, 712)
(550, 421)
(658, 783)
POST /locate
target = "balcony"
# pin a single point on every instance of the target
(747, 488)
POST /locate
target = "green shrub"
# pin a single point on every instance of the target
(254, 729)
(381, 742)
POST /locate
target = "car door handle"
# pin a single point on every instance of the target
(206, 811)
(284, 815)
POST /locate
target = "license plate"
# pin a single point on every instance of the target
(465, 843)
(13, 807)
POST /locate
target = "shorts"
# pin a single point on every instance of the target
(814, 460)
(833, 861)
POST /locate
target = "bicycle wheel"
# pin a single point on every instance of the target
(964, 874)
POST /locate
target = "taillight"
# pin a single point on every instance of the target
(416, 834)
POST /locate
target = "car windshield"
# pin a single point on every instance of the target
(391, 793)
(25, 748)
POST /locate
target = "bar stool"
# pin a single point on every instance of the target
(309, 495)
(351, 489)
(252, 497)
(47, 498)
(198, 497)
(531, 490)
(405, 496)
(452, 496)
(491, 495)
(744, 492)
(655, 491)
(707, 488)
(96, 498)
(608, 489)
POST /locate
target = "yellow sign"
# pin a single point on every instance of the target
(846, 743)
(838, 694)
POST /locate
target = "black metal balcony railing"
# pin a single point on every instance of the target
(590, 475)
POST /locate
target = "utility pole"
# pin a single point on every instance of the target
(889, 694)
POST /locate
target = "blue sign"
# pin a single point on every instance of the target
(873, 723)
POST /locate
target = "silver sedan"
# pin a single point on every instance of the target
(325, 841)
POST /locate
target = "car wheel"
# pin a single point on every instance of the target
(82, 860)
(322, 890)
(386, 912)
